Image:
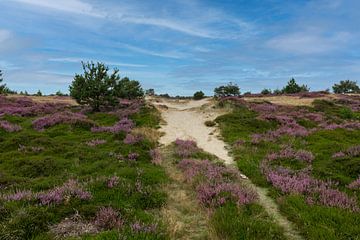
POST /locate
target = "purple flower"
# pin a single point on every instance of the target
(132, 139)
(9, 127)
(185, 148)
(107, 218)
(139, 227)
(19, 195)
(355, 184)
(156, 157)
(112, 182)
(95, 142)
(133, 156)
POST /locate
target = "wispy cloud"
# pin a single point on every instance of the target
(70, 6)
(170, 54)
(78, 60)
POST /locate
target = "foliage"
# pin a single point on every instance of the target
(150, 92)
(226, 91)
(98, 89)
(39, 93)
(346, 86)
(2, 86)
(266, 91)
(293, 87)
(198, 95)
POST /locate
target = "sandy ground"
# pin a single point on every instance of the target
(185, 119)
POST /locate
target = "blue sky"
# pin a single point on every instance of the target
(181, 46)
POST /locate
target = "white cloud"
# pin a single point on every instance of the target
(70, 6)
(78, 60)
(171, 54)
(308, 43)
(4, 35)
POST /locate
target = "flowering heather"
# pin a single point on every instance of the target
(289, 153)
(139, 227)
(9, 127)
(355, 184)
(58, 118)
(19, 195)
(156, 157)
(315, 191)
(57, 195)
(132, 139)
(124, 125)
(112, 182)
(95, 142)
(128, 107)
(185, 148)
(353, 151)
(339, 155)
(23, 106)
(25, 149)
(214, 195)
(107, 218)
(133, 156)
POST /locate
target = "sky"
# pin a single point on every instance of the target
(181, 46)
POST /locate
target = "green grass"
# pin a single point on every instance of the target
(314, 222)
(67, 156)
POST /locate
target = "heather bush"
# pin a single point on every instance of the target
(9, 127)
(124, 125)
(185, 148)
(61, 117)
(95, 142)
(132, 139)
(107, 218)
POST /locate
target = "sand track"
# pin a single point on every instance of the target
(185, 119)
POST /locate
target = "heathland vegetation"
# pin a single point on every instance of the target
(93, 168)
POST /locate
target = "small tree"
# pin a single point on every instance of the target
(198, 95)
(39, 93)
(293, 87)
(266, 91)
(98, 88)
(60, 94)
(2, 86)
(346, 86)
(226, 91)
(150, 92)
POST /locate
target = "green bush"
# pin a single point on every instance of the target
(346, 86)
(266, 91)
(198, 95)
(293, 87)
(97, 88)
(227, 91)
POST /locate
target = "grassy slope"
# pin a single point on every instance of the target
(315, 222)
(66, 156)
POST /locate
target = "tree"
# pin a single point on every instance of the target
(266, 91)
(150, 92)
(97, 88)
(277, 91)
(293, 87)
(39, 93)
(198, 95)
(346, 86)
(60, 94)
(2, 86)
(226, 91)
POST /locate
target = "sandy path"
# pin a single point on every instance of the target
(185, 120)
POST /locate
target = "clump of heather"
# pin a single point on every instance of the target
(314, 190)
(57, 195)
(60, 117)
(95, 142)
(132, 139)
(128, 107)
(355, 184)
(133, 156)
(23, 106)
(290, 153)
(215, 184)
(156, 157)
(338, 155)
(239, 143)
(112, 182)
(139, 227)
(215, 195)
(124, 125)
(25, 149)
(353, 151)
(19, 196)
(9, 127)
(185, 148)
(107, 218)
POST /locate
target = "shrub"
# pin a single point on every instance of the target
(266, 91)
(227, 91)
(2, 86)
(346, 86)
(39, 93)
(210, 123)
(293, 87)
(97, 88)
(198, 95)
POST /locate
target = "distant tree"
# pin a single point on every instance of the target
(266, 91)
(293, 87)
(2, 86)
(346, 86)
(59, 93)
(247, 93)
(277, 91)
(97, 88)
(198, 95)
(39, 93)
(226, 91)
(26, 93)
(150, 92)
